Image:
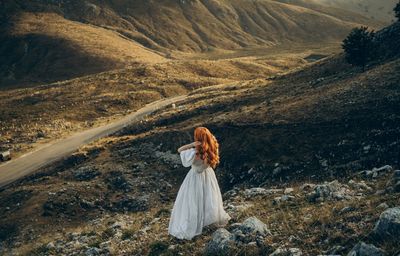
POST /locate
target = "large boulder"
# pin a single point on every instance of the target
(363, 249)
(253, 225)
(221, 243)
(388, 225)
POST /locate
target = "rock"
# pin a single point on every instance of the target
(131, 204)
(253, 225)
(386, 168)
(307, 187)
(168, 157)
(330, 191)
(235, 209)
(347, 209)
(335, 250)
(388, 225)
(359, 185)
(363, 249)
(230, 194)
(85, 173)
(221, 243)
(260, 191)
(383, 206)
(287, 252)
(288, 191)
(118, 181)
(92, 251)
(393, 184)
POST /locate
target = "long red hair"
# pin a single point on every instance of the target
(208, 150)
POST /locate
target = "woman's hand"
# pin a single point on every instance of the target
(196, 143)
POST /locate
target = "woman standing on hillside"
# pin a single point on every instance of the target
(199, 200)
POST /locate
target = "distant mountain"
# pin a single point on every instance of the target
(379, 10)
(55, 40)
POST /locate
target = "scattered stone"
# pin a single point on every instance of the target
(383, 206)
(330, 191)
(347, 209)
(359, 185)
(388, 225)
(131, 204)
(288, 191)
(363, 249)
(118, 181)
(85, 173)
(375, 172)
(221, 243)
(260, 191)
(287, 252)
(307, 187)
(393, 184)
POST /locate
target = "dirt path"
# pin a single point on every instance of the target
(32, 161)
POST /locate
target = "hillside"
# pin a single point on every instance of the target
(301, 152)
(48, 41)
(378, 10)
(44, 47)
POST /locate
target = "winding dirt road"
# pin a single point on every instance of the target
(49, 153)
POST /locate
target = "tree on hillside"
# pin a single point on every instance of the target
(359, 47)
(397, 10)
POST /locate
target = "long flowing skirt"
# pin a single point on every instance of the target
(198, 204)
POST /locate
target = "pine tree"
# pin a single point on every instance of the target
(359, 47)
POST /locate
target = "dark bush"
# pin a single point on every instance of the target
(359, 47)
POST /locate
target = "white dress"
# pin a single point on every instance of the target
(199, 200)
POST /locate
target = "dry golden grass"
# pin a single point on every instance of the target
(93, 40)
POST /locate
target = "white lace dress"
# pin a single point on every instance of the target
(199, 200)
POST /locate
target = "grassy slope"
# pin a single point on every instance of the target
(45, 47)
(295, 120)
(60, 108)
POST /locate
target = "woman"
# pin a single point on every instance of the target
(199, 200)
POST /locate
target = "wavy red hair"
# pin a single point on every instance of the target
(208, 150)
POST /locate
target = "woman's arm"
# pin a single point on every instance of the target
(187, 146)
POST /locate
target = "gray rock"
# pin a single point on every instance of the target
(359, 185)
(347, 209)
(386, 168)
(388, 225)
(85, 173)
(131, 204)
(287, 252)
(307, 187)
(92, 251)
(383, 206)
(254, 225)
(260, 191)
(330, 191)
(288, 191)
(363, 249)
(221, 243)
